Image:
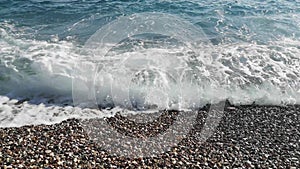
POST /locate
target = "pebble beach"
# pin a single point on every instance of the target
(141, 84)
(246, 137)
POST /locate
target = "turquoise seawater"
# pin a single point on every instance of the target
(256, 44)
(223, 21)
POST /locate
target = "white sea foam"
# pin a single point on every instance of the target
(242, 72)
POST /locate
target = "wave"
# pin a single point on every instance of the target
(247, 72)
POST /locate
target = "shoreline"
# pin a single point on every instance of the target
(248, 136)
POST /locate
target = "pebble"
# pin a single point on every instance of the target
(48, 151)
(246, 137)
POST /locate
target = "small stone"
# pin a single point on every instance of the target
(249, 164)
(173, 160)
(9, 152)
(20, 140)
(7, 167)
(8, 160)
(48, 151)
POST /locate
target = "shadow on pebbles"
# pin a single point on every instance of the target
(246, 137)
